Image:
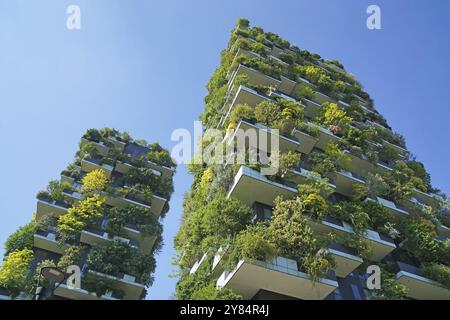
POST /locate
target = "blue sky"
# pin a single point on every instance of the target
(141, 66)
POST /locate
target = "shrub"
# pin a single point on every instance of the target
(22, 239)
(252, 243)
(14, 270)
(79, 216)
(243, 23)
(439, 273)
(94, 181)
(239, 112)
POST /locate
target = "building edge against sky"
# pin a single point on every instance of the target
(348, 193)
(104, 215)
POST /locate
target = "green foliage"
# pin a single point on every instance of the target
(253, 243)
(118, 257)
(390, 288)
(210, 292)
(159, 155)
(421, 241)
(209, 224)
(94, 181)
(439, 273)
(334, 117)
(243, 23)
(352, 213)
(71, 256)
(22, 239)
(240, 111)
(14, 270)
(79, 216)
(138, 216)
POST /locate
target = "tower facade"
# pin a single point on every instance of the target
(347, 204)
(103, 217)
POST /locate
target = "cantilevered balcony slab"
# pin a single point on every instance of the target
(326, 137)
(345, 182)
(429, 199)
(99, 237)
(146, 243)
(80, 294)
(263, 136)
(88, 165)
(347, 260)
(381, 245)
(322, 98)
(102, 148)
(394, 209)
(46, 240)
(119, 145)
(311, 107)
(420, 287)
(50, 208)
(307, 142)
(257, 78)
(443, 230)
(156, 207)
(401, 151)
(250, 186)
(128, 284)
(250, 276)
(287, 85)
(301, 176)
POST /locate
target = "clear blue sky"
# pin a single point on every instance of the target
(142, 66)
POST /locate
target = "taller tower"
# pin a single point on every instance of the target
(103, 215)
(347, 195)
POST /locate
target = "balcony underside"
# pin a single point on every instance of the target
(250, 277)
(78, 294)
(131, 289)
(250, 186)
(422, 288)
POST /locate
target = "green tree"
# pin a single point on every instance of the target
(14, 270)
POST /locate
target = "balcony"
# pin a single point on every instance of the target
(97, 237)
(347, 259)
(88, 165)
(307, 142)
(262, 137)
(326, 137)
(131, 287)
(46, 240)
(345, 181)
(443, 230)
(359, 164)
(322, 98)
(246, 95)
(302, 175)
(280, 276)
(119, 145)
(402, 151)
(262, 189)
(198, 263)
(257, 78)
(287, 85)
(393, 208)
(145, 243)
(156, 206)
(381, 245)
(50, 208)
(311, 108)
(81, 294)
(101, 147)
(429, 199)
(73, 195)
(419, 287)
